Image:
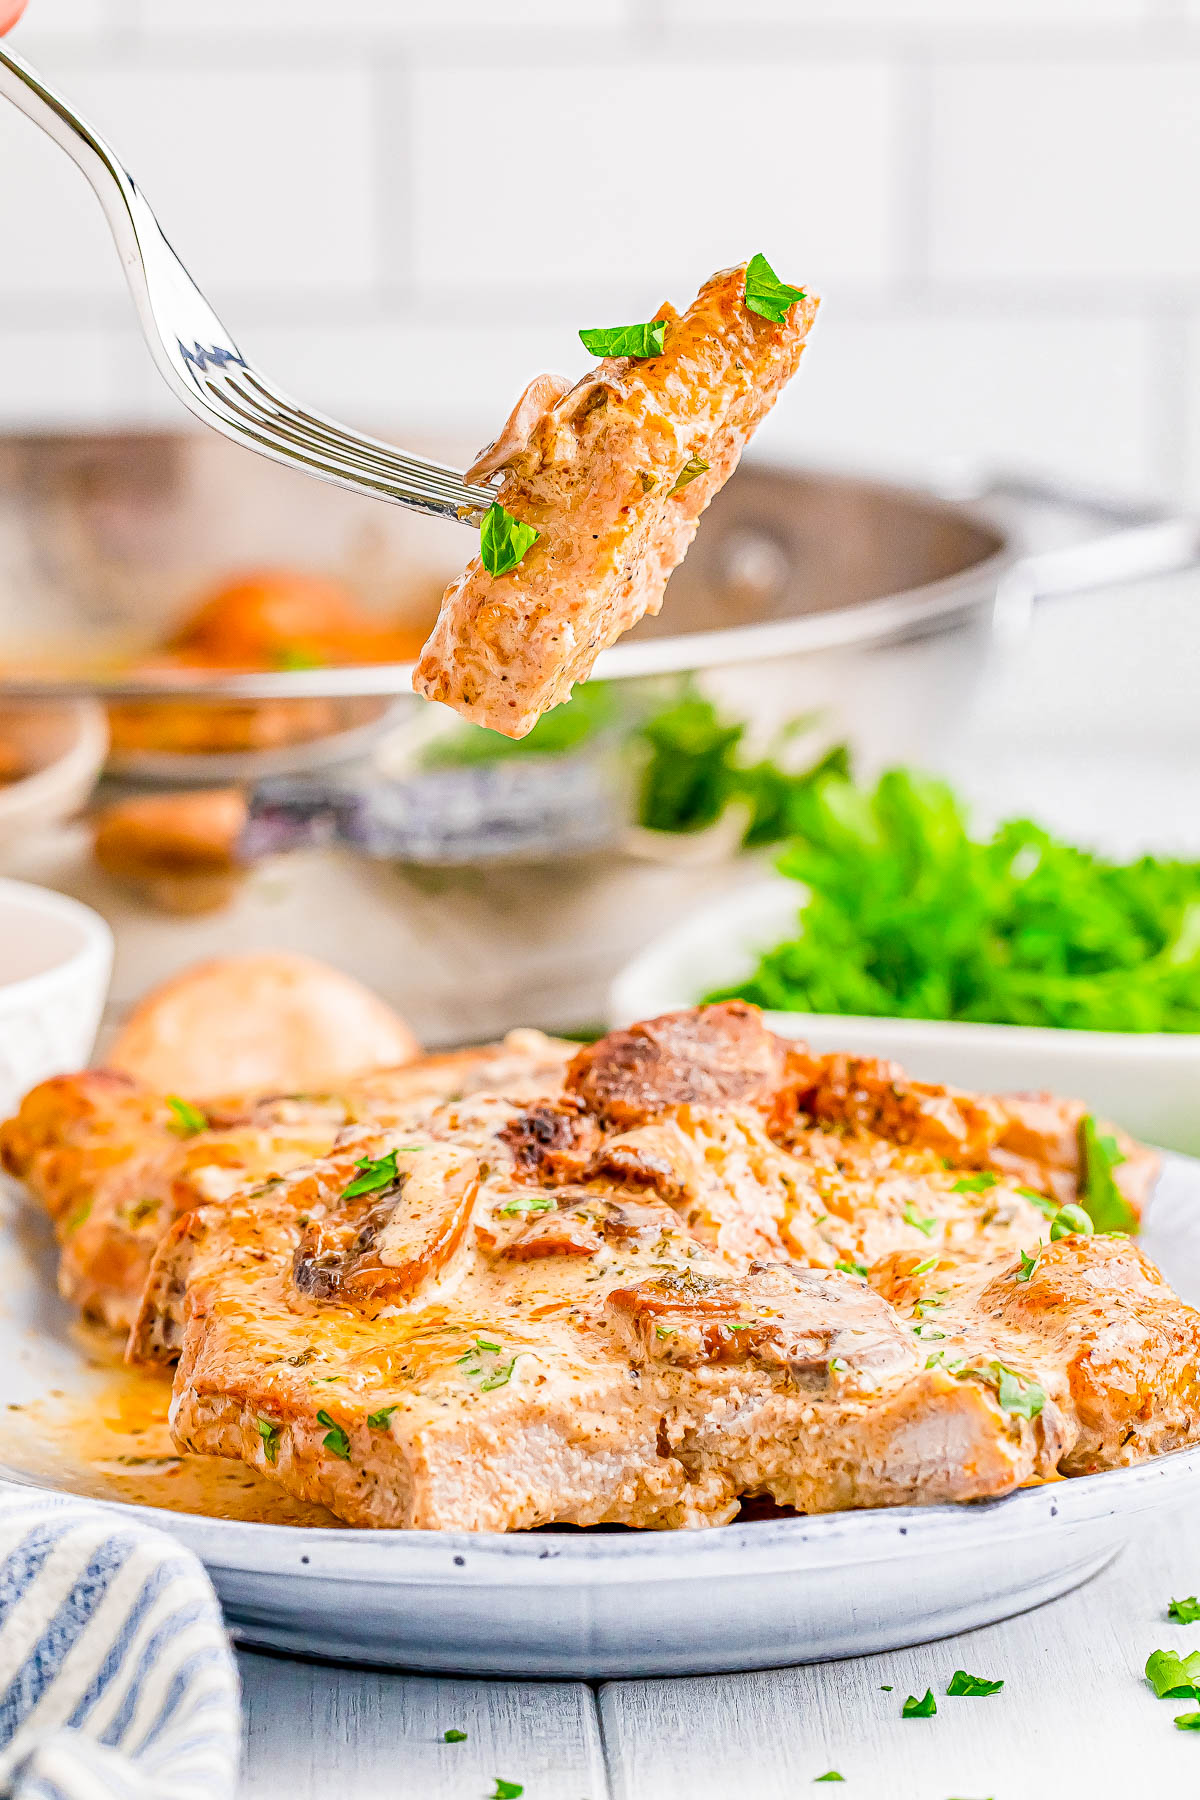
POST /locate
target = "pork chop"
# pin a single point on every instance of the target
(613, 475)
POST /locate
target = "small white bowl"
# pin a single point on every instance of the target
(62, 746)
(55, 961)
(1147, 1082)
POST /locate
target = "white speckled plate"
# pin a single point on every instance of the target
(753, 1594)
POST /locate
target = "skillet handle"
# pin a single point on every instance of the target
(1141, 540)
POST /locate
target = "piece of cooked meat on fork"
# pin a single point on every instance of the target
(613, 474)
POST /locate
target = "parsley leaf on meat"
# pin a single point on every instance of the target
(373, 1175)
(626, 340)
(335, 1439)
(270, 1433)
(694, 466)
(503, 540)
(911, 1218)
(1103, 1200)
(188, 1120)
(975, 1184)
(766, 294)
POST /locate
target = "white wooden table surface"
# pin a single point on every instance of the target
(1075, 1716)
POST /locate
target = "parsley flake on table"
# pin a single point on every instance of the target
(1187, 1721)
(1070, 1221)
(188, 1120)
(1184, 1612)
(829, 1775)
(1103, 1200)
(626, 340)
(971, 1687)
(695, 465)
(912, 1218)
(1173, 1677)
(765, 294)
(884, 1688)
(270, 1433)
(454, 1737)
(919, 1709)
(507, 1790)
(335, 1439)
(504, 540)
(852, 1268)
(373, 1174)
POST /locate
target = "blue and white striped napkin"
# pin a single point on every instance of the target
(116, 1678)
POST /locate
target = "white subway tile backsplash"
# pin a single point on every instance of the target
(63, 376)
(960, 14)
(263, 179)
(593, 175)
(1070, 395)
(390, 17)
(1079, 171)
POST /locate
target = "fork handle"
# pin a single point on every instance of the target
(164, 283)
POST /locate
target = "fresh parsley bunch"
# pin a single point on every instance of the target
(907, 914)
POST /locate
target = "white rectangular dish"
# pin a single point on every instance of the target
(1149, 1083)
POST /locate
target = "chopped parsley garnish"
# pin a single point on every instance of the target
(911, 1218)
(79, 1217)
(925, 1331)
(978, 1183)
(923, 1267)
(919, 1709)
(766, 294)
(1184, 1612)
(188, 1119)
(504, 540)
(499, 1377)
(507, 1790)
(971, 1687)
(852, 1268)
(1103, 1200)
(454, 1737)
(529, 1203)
(1024, 1399)
(485, 1344)
(829, 1775)
(908, 912)
(270, 1433)
(1043, 1204)
(379, 1421)
(626, 340)
(335, 1439)
(885, 1687)
(838, 1365)
(939, 1360)
(695, 465)
(1028, 1265)
(1173, 1677)
(374, 1175)
(664, 1331)
(1070, 1221)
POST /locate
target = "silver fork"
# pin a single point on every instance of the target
(197, 356)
